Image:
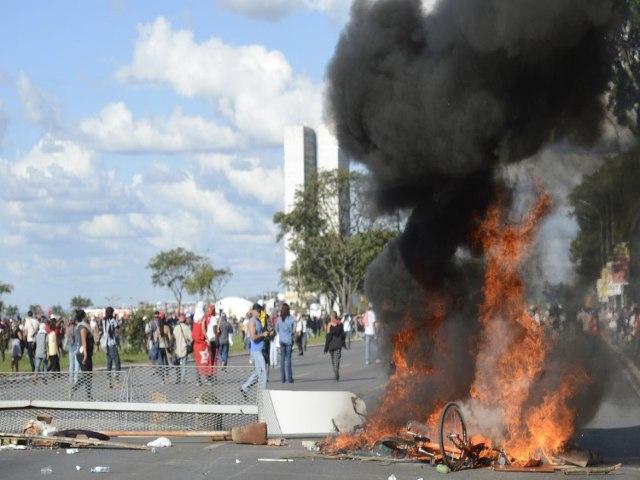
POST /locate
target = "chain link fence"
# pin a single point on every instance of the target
(137, 399)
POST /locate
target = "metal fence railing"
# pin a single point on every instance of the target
(138, 398)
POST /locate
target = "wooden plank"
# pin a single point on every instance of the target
(78, 442)
(520, 469)
(168, 433)
(591, 470)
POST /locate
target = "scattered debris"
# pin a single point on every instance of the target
(311, 445)
(520, 469)
(276, 442)
(100, 469)
(591, 470)
(576, 456)
(66, 442)
(253, 434)
(160, 442)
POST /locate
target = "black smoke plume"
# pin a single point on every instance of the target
(436, 103)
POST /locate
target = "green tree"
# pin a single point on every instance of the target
(134, 334)
(4, 288)
(624, 97)
(57, 311)
(35, 309)
(171, 269)
(333, 236)
(606, 206)
(206, 281)
(79, 302)
(12, 311)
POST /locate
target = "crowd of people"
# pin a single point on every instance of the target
(619, 325)
(203, 336)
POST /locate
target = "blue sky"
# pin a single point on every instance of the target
(132, 127)
(127, 128)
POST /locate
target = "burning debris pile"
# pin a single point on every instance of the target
(437, 105)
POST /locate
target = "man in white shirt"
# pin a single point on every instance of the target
(369, 320)
(31, 326)
(346, 325)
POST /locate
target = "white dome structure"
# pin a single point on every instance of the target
(237, 306)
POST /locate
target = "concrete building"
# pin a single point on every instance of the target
(307, 151)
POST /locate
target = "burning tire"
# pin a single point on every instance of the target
(453, 436)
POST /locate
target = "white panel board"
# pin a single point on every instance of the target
(311, 413)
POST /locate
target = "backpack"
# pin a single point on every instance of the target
(211, 329)
(188, 343)
(106, 332)
(90, 339)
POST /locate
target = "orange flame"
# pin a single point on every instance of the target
(509, 356)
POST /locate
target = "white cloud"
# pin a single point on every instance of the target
(39, 107)
(116, 130)
(262, 9)
(248, 177)
(252, 86)
(13, 240)
(52, 157)
(273, 10)
(107, 226)
(4, 123)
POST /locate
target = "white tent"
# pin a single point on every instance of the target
(237, 306)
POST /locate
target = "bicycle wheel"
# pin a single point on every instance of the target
(453, 436)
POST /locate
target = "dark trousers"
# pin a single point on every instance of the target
(54, 363)
(213, 352)
(86, 379)
(335, 362)
(285, 358)
(31, 348)
(223, 354)
(113, 358)
(299, 344)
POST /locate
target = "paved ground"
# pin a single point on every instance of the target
(615, 431)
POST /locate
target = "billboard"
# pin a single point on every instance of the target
(619, 272)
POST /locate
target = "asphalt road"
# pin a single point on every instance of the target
(615, 431)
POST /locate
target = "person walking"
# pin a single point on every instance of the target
(73, 343)
(40, 351)
(85, 351)
(31, 328)
(53, 352)
(256, 334)
(299, 332)
(210, 322)
(111, 329)
(200, 344)
(16, 347)
(369, 321)
(334, 342)
(285, 328)
(224, 332)
(274, 344)
(163, 337)
(182, 334)
(346, 325)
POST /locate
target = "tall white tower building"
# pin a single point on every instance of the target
(300, 163)
(305, 153)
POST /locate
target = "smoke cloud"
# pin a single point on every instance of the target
(438, 106)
